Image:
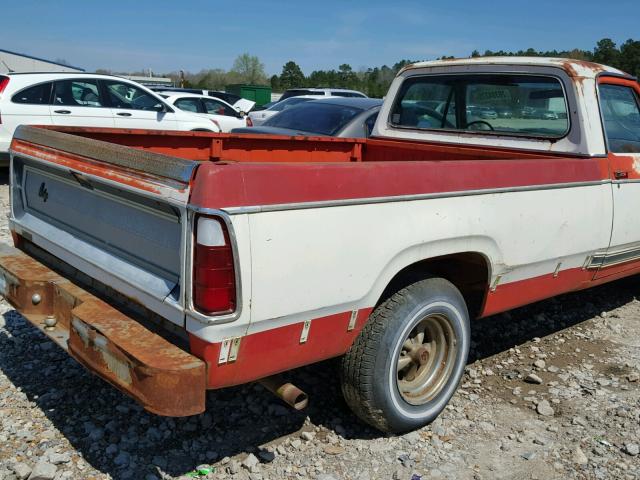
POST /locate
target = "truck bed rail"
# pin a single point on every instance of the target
(151, 163)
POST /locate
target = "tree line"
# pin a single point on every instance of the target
(376, 81)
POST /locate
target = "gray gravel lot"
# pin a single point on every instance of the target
(551, 391)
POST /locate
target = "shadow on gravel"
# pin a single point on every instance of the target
(117, 437)
(4, 176)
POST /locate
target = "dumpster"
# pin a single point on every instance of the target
(260, 94)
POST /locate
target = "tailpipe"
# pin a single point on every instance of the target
(285, 391)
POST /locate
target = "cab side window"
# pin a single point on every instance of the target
(621, 115)
(77, 93)
(36, 95)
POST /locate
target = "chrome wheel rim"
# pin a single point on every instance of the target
(426, 359)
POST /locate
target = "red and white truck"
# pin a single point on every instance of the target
(171, 263)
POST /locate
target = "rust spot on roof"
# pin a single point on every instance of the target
(569, 67)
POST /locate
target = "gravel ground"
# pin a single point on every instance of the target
(551, 391)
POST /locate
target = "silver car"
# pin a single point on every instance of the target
(332, 116)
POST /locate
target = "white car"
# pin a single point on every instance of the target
(220, 112)
(261, 116)
(323, 92)
(86, 100)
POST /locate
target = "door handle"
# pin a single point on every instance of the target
(123, 114)
(62, 111)
(619, 174)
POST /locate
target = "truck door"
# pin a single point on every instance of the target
(620, 110)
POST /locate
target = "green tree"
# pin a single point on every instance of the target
(249, 69)
(606, 52)
(275, 83)
(347, 77)
(630, 57)
(291, 76)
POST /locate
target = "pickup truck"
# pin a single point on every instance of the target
(170, 263)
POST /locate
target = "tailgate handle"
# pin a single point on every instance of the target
(62, 111)
(123, 114)
(619, 174)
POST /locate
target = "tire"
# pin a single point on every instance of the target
(397, 386)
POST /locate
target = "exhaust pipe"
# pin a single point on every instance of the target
(285, 391)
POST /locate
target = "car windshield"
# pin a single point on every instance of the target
(315, 117)
(289, 102)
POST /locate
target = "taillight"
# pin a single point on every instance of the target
(214, 280)
(4, 81)
(249, 121)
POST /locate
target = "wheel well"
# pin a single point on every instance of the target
(468, 271)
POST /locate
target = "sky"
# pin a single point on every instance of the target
(192, 35)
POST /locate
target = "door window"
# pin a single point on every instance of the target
(189, 105)
(36, 95)
(127, 96)
(77, 93)
(621, 115)
(218, 108)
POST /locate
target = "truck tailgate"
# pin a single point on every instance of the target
(115, 213)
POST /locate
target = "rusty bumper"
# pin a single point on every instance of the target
(165, 379)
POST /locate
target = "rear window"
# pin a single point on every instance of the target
(348, 94)
(290, 102)
(36, 95)
(297, 93)
(321, 118)
(506, 104)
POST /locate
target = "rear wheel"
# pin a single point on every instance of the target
(407, 362)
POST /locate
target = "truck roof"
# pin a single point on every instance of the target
(575, 68)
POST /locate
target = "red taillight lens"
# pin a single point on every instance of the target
(249, 121)
(214, 279)
(4, 81)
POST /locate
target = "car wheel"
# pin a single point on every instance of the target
(407, 361)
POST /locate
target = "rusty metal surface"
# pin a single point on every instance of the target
(178, 169)
(165, 379)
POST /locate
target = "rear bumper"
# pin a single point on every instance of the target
(165, 379)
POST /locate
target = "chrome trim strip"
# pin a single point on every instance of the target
(390, 199)
(615, 256)
(630, 180)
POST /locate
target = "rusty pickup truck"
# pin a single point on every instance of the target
(172, 263)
